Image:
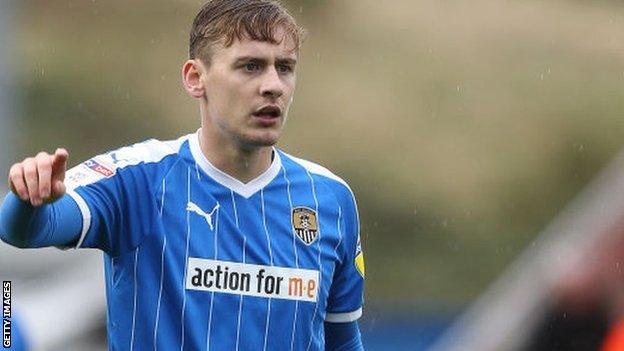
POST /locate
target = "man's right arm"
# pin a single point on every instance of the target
(25, 226)
(36, 213)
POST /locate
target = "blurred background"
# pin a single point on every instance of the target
(463, 127)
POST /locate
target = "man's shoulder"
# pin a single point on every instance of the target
(147, 152)
(320, 172)
(152, 153)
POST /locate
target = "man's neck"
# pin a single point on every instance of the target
(240, 163)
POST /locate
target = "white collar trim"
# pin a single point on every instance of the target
(246, 190)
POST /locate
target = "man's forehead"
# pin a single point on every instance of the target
(245, 47)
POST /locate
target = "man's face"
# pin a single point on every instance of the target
(249, 87)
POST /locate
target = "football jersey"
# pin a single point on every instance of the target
(197, 260)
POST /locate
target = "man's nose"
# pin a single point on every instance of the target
(272, 85)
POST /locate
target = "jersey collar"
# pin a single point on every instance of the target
(245, 190)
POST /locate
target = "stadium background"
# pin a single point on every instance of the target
(463, 127)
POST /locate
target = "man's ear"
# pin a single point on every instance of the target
(192, 71)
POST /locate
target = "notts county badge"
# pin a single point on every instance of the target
(305, 224)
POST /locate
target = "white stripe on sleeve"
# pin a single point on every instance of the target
(343, 317)
(86, 215)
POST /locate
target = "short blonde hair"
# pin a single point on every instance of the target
(223, 21)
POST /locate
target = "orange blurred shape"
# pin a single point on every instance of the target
(614, 341)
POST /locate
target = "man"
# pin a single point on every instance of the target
(216, 240)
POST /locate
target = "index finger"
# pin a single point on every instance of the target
(59, 164)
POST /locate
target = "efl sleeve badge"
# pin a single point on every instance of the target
(359, 258)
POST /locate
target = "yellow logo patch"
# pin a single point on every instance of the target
(359, 259)
(359, 264)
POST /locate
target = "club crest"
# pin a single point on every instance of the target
(305, 224)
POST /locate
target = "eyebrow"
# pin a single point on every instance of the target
(287, 60)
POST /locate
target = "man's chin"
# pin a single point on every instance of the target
(266, 139)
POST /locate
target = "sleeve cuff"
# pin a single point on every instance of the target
(86, 215)
(345, 317)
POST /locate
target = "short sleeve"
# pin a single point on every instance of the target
(346, 295)
(114, 194)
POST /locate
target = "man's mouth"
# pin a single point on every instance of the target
(268, 112)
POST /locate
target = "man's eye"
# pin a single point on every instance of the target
(251, 67)
(284, 69)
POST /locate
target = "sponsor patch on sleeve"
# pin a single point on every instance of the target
(89, 172)
(99, 167)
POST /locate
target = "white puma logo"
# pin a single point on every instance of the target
(208, 216)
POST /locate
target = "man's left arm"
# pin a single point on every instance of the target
(346, 295)
(343, 337)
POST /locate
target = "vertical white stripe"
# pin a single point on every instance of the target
(216, 234)
(136, 257)
(234, 205)
(188, 236)
(289, 215)
(112, 278)
(216, 251)
(162, 198)
(197, 171)
(339, 231)
(266, 330)
(162, 270)
(266, 232)
(318, 245)
(292, 338)
(240, 301)
(339, 237)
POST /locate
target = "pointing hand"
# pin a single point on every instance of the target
(40, 179)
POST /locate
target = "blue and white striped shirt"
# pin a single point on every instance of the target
(197, 260)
